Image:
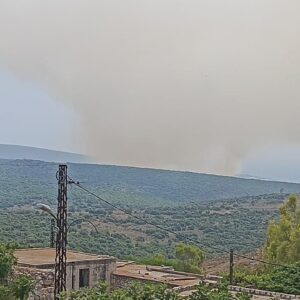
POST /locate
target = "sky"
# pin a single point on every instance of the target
(30, 117)
(202, 85)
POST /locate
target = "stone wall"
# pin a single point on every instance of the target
(123, 281)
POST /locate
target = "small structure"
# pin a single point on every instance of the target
(83, 270)
(127, 273)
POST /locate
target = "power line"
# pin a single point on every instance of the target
(143, 220)
(77, 183)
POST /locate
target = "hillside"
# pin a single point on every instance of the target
(24, 152)
(216, 210)
(140, 185)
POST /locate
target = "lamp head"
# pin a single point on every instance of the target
(46, 208)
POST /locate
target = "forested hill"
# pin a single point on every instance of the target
(215, 210)
(27, 180)
(24, 152)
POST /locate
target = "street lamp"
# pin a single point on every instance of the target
(48, 210)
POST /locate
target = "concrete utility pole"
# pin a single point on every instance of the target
(61, 236)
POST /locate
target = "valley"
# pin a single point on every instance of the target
(216, 211)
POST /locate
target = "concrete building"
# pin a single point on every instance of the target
(83, 270)
(129, 272)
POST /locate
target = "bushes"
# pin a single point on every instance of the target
(280, 279)
(135, 292)
(21, 286)
(152, 292)
(221, 293)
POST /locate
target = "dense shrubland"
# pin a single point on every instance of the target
(212, 209)
(237, 223)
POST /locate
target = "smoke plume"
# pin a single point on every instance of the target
(190, 85)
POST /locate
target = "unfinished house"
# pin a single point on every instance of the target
(83, 270)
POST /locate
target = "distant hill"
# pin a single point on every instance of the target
(130, 185)
(24, 152)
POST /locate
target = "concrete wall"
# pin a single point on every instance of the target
(256, 292)
(98, 271)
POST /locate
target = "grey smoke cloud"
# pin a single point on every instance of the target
(190, 85)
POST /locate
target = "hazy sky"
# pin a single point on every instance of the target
(193, 85)
(29, 116)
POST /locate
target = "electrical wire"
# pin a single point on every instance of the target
(224, 251)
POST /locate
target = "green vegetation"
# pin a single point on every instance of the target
(135, 292)
(192, 205)
(12, 287)
(7, 260)
(279, 279)
(282, 247)
(26, 181)
(221, 292)
(237, 223)
(283, 237)
(153, 292)
(217, 211)
(188, 258)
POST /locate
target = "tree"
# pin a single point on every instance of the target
(189, 256)
(12, 289)
(283, 237)
(7, 260)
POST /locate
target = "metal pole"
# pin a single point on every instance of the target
(231, 267)
(61, 236)
(52, 233)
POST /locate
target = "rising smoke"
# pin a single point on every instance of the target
(180, 84)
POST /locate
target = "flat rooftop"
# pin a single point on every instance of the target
(157, 274)
(45, 257)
